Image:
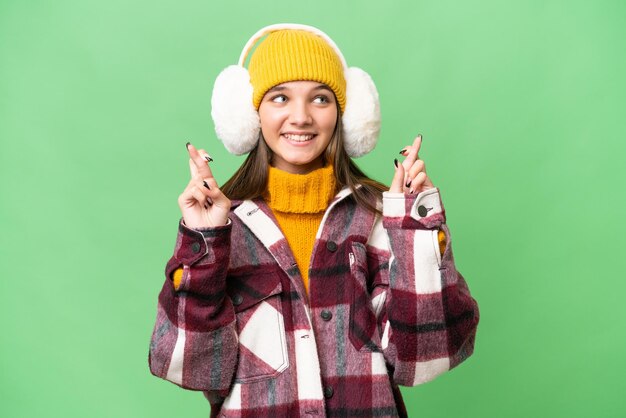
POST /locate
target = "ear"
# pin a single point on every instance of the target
(361, 118)
(236, 120)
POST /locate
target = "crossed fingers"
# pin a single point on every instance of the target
(410, 176)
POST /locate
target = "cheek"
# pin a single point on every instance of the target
(267, 121)
(329, 119)
(270, 120)
(330, 123)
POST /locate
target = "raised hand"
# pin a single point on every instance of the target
(410, 176)
(202, 203)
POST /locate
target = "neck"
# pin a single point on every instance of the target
(298, 168)
(300, 193)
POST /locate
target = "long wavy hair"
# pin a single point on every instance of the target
(250, 180)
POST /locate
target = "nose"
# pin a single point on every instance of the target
(300, 114)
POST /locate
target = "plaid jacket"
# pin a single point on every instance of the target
(385, 308)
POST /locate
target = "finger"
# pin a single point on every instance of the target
(201, 198)
(201, 164)
(405, 151)
(411, 157)
(206, 156)
(397, 183)
(209, 188)
(193, 169)
(189, 197)
(215, 193)
(418, 166)
(428, 184)
(418, 181)
(202, 185)
(186, 199)
(413, 151)
(422, 183)
(418, 142)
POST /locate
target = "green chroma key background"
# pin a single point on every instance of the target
(522, 109)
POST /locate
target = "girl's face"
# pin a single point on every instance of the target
(298, 120)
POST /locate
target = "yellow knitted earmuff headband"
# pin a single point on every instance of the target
(294, 52)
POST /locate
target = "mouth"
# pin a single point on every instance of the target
(299, 138)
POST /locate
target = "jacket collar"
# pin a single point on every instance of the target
(258, 217)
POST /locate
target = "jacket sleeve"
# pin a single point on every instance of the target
(425, 312)
(194, 342)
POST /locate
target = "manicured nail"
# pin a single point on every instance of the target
(209, 201)
(206, 185)
(208, 158)
(408, 184)
(187, 145)
(206, 207)
(421, 137)
(402, 151)
(395, 162)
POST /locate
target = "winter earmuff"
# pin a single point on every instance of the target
(293, 52)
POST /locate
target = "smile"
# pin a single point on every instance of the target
(298, 138)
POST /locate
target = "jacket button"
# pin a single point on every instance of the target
(422, 211)
(332, 246)
(237, 299)
(326, 315)
(328, 392)
(195, 247)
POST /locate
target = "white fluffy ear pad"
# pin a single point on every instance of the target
(236, 120)
(361, 118)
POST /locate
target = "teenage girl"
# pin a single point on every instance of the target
(301, 287)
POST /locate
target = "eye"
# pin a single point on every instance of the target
(321, 99)
(280, 98)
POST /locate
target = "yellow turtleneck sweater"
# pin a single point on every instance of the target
(298, 202)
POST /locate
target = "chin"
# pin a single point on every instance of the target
(301, 161)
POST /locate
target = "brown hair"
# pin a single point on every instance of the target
(250, 180)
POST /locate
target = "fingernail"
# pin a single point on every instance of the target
(402, 151)
(209, 201)
(206, 185)
(187, 145)
(206, 207)
(395, 162)
(421, 137)
(408, 184)
(208, 158)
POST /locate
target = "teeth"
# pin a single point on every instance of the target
(298, 138)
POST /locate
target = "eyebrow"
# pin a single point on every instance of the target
(281, 88)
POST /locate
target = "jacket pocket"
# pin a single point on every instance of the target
(257, 301)
(362, 332)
